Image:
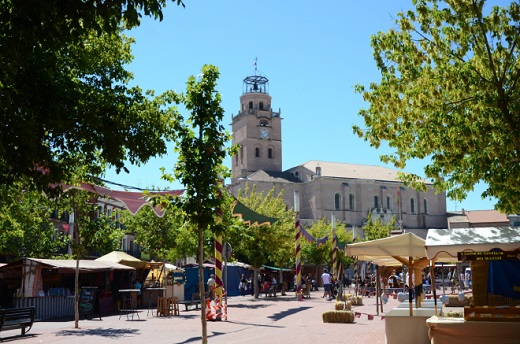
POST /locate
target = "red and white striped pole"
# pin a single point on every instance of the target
(218, 272)
(297, 237)
(334, 248)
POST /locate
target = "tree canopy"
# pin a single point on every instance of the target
(449, 92)
(64, 94)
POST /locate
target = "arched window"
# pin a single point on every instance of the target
(376, 201)
(337, 201)
(250, 105)
(257, 152)
(412, 205)
(270, 153)
(425, 202)
(261, 106)
(351, 202)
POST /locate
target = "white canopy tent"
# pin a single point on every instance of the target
(391, 251)
(444, 244)
(405, 249)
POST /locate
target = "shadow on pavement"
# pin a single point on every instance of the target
(100, 332)
(283, 314)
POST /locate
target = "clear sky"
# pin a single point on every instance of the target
(312, 52)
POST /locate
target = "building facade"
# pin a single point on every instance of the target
(350, 191)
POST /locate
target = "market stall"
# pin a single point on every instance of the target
(401, 325)
(494, 255)
(48, 284)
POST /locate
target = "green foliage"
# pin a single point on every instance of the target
(200, 143)
(265, 245)
(449, 92)
(375, 229)
(93, 230)
(25, 226)
(66, 102)
(313, 254)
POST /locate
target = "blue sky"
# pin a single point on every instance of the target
(312, 52)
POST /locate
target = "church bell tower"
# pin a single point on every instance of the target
(257, 130)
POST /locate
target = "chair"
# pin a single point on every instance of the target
(174, 306)
(307, 291)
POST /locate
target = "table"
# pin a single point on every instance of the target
(149, 291)
(400, 327)
(126, 307)
(452, 330)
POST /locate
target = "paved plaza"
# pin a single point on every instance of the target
(266, 320)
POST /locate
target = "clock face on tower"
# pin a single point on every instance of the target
(264, 133)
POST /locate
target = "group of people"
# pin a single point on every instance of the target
(265, 282)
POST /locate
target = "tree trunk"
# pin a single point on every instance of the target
(202, 295)
(76, 275)
(256, 283)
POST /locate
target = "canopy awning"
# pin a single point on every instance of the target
(69, 266)
(123, 258)
(391, 251)
(250, 216)
(444, 244)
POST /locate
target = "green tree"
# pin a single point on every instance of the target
(376, 229)
(93, 231)
(201, 144)
(449, 92)
(65, 96)
(268, 244)
(323, 254)
(26, 229)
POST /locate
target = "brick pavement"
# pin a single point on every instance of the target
(265, 320)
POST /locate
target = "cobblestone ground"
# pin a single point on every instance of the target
(265, 320)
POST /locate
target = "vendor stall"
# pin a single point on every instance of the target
(402, 325)
(494, 254)
(48, 284)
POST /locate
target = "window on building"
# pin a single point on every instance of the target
(388, 202)
(412, 205)
(236, 160)
(261, 106)
(270, 153)
(318, 171)
(264, 123)
(351, 201)
(241, 154)
(337, 201)
(425, 202)
(250, 105)
(257, 152)
(376, 201)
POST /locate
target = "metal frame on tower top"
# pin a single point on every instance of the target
(256, 83)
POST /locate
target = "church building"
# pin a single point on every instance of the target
(348, 190)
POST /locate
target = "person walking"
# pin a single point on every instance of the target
(211, 286)
(243, 285)
(325, 279)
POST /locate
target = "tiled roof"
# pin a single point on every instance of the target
(273, 176)
(354, 171)
(484, 216)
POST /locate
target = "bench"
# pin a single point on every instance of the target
(194, 301)
(17, 318)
